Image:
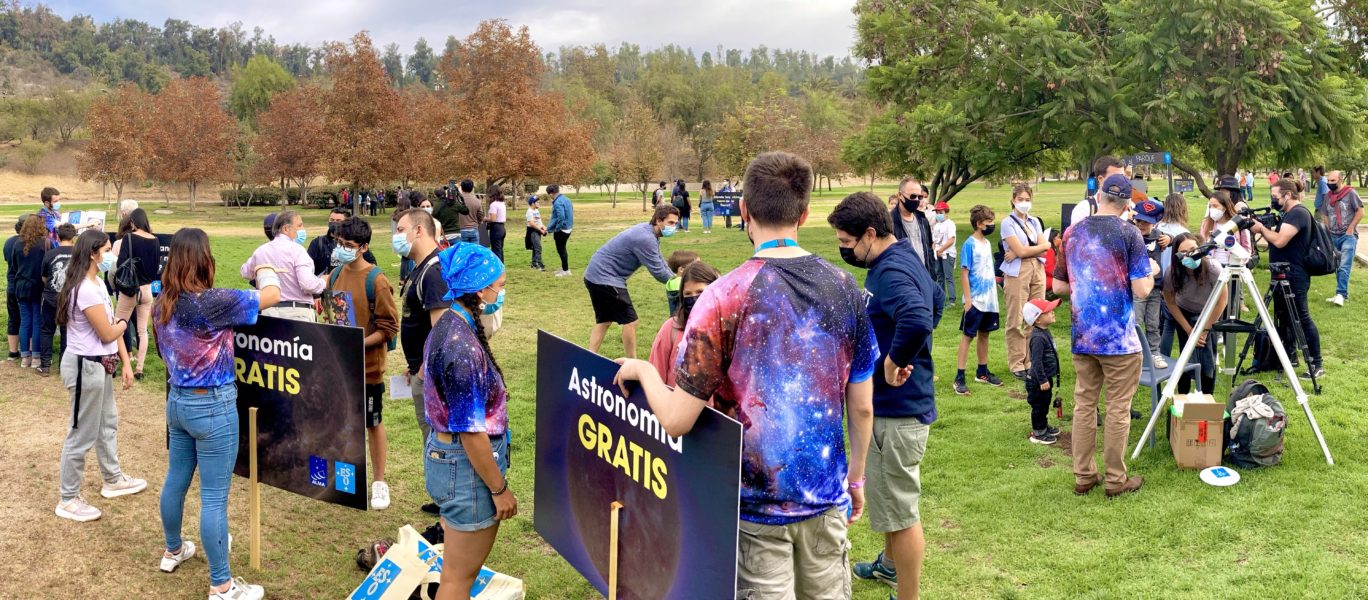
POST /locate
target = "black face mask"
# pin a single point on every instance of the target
(332, 227)
(988, 230)
(1277, 203)
(848, 255)
(686, 305)
(911, 204)
(1334, 187)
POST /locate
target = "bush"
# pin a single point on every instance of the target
(251, 197)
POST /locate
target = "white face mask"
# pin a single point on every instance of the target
(1216, 214)
(1024, 207)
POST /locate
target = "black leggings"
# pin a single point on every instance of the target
(561, 238)
(1301, 284)
(1203, 356)
(497, 233)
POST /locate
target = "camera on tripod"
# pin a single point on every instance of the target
(1266, 216)
(1224, 237)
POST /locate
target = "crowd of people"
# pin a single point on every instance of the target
(739, 341)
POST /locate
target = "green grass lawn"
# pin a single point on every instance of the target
(1001, 519)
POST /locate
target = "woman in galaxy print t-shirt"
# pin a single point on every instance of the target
(194, 325)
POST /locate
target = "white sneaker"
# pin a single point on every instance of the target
(1159, 362)
(76, 509)
(380, 497)
(169, 563)
(24, 362)
(124, 486)
(562, 273)
(240, 590)
(1337, 300)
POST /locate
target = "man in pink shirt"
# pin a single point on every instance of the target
(286, 253)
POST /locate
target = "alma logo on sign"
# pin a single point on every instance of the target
(318, 471)
(345, 476)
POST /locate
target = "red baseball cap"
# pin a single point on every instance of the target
(1033, 309)
(942, 206)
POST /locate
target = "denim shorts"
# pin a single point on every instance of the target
(465, 501)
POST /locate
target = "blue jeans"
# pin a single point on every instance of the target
(684, 223)
(29, 330)
(465, 501)
(203, 428)
(707, 218)
(470, 235)
(947, 278)
(1348, 245)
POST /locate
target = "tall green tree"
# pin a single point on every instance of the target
(422, 64)
(255, 84)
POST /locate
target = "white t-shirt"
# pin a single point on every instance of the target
(498, 213)
(1081, 211)
(941, 233)
(534, 217)
(1028, 237)
(82, 339)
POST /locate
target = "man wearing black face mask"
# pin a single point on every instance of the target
(321, 248)
(910, 223)
(904, 307)
(1289, 243)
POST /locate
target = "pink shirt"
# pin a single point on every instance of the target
(663, 350)
(292, 263)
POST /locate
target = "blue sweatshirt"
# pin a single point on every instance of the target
(628, 251)
(562, 215)
(904, 308)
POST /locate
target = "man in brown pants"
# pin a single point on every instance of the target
(1104, 267)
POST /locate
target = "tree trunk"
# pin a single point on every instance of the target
(614, 192)
(194, 186)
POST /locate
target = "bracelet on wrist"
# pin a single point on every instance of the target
(500, 491)
(857, 484)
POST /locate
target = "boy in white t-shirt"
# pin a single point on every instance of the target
(535, 232)
(943, 238)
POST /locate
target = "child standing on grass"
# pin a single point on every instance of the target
(677, 261)
(694, 277)
(979, 286)
(535, 232)
(1043, 376)
(54, 277)
(371, 301)
(943, 238)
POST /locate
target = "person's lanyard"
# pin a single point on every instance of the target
(779, 243)
(464, 313)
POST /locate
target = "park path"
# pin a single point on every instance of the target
(1362, 253)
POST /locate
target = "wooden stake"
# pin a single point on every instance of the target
(253, 491)
(613, 551)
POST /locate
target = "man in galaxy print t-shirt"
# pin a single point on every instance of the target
(784, 345)
(1105, 268)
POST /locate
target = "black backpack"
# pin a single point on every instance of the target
(1322, 256)
(128, 277)
(1254, 442)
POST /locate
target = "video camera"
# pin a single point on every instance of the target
(1266, 216)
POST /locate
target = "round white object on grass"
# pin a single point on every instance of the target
(1219, 476)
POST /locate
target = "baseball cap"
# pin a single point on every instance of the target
(942, 206)
(1037, 307)
(1149, 211)
(268, 224)
(1227, 182)
(1117, 185)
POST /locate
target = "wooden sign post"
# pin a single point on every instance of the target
(253, 492)
(613, 551)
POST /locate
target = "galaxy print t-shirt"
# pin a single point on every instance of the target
(1102, 255)
(197, 343)
(462, 392)
(774, 344)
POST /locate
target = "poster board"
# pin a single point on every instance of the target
(681, 496)
(726, 203)
(308, 382)
(85, 217)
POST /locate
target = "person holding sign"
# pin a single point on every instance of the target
(904, 307)
(615, 262)
(466, 405)
(784, 345)
(194, 324)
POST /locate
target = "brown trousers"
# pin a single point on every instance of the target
(1028, 285)
(1120, 375)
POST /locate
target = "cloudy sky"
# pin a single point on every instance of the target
(821, 26)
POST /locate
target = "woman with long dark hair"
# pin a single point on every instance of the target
(28, 288)
(466, 404)
(95, 348)
(137, 243)
(496, 220)
(706, 206)
(1187, 286)
(694, 278)
(194, 325)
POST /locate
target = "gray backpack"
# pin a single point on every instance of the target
(1255, 427)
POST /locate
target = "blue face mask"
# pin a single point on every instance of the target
(1191, 263)
(496, 305)
(56, 206)
(667, 231)
(343, 255)
(106, 262)
(301, 235)
(399, 242)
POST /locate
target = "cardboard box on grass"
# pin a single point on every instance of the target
(1195, 426)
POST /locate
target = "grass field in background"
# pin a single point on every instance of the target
(1001, 519)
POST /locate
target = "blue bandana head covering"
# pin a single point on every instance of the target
(468, 268)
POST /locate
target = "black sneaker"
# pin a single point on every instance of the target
(1314, 373)
(1052, 430)
(989, 379)
(431, 508)
(960, 388)
(1135, 415)
(1043, 437)
(1020, 375)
